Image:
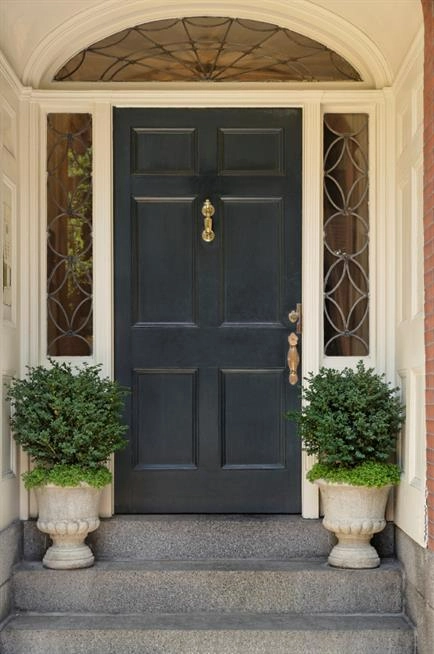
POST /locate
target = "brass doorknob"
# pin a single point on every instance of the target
(295, 316)
(208, 211)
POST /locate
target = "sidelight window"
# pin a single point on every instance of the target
(69, 234)
(346, 235)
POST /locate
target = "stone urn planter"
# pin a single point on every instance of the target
(349, 421)
(68, 419)
(354, 514)
(68, 514)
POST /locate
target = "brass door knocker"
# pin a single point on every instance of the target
(208, 211)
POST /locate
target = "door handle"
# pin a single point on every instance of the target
(208, 211)
(293, 358)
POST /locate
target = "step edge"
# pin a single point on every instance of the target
(388, 565)
(27, 619)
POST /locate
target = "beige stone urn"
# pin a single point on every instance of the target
(68, 514)
(354, 514)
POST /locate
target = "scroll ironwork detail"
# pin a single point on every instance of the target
(215, 49)
(346, 235)
(69, 235)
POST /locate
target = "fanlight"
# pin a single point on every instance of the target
(207, 49)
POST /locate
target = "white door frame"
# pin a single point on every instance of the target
(100, 104)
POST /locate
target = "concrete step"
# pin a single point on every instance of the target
(206, 537)
(207, 634)
(220, 586)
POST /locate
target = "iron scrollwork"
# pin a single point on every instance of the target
(69, 234)
(346, 235)
(204, 48)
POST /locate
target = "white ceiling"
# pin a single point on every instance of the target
(390, 24)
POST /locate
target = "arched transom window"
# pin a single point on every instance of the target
(207, 49)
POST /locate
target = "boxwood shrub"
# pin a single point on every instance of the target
(350, 418)
(67, 417)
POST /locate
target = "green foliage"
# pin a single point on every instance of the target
(62, 475)
(66, 416)
(80, 206)
(350, 417)
(365, 474)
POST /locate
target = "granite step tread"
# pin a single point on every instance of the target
(222, 585)
(317, 564)
(194, 536)
(198, 633)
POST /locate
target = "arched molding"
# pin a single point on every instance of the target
(302, 16)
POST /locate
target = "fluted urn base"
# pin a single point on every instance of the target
(67, 556)
(354, 514)
(68, 514)
(353, 553)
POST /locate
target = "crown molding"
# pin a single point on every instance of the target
(415, 51)
(10, 77)
(302, 16)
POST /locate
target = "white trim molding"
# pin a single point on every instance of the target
(407, 172)
(303, 16)
(312, 273)
(9, 77)
(313, 103)
(10, 215)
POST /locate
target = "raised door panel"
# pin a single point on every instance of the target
(252, 259)
(250, 151)
(253, 429)
(163, 249)
(150, 148)
(164, 408)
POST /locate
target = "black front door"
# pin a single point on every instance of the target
(201, 326)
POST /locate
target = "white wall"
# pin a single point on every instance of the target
(9, 314)
(410, 351)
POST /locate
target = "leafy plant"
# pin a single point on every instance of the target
(67, 476)
(365, 474)
(67, 417)
(80, 207)
(351, 417)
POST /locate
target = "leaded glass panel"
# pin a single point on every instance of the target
(69, 234)
(346, 235)
(214, 49)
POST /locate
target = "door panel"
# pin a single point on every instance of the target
(201, 328)
(164, 275)
(252, 266)
(252, 438)
(164, 151)
(251, 151)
